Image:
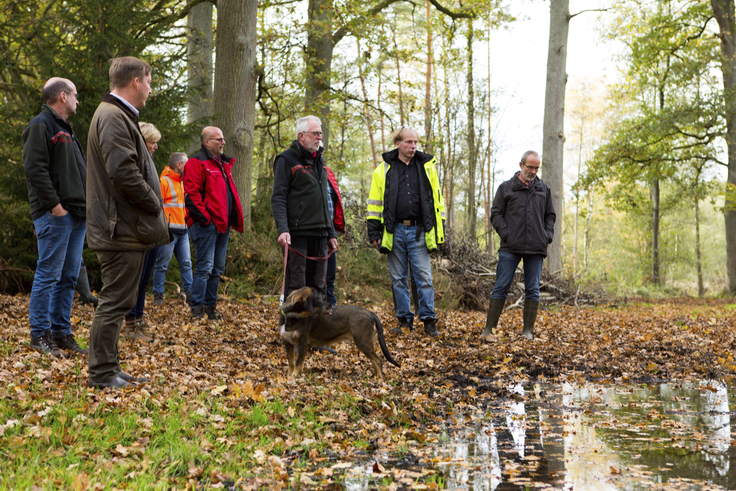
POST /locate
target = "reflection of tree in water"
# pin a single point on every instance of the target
(699, 420)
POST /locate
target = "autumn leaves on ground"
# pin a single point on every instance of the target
(219, 411)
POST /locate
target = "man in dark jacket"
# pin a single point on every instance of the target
(300, 207)
(56, 171)
(406, 221)
(213, 205)
(524, 217)
(124, 211)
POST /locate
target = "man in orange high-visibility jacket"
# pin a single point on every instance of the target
(172, 191)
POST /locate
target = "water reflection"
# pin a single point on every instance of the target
(598, 437)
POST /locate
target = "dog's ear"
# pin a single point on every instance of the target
(299, 304)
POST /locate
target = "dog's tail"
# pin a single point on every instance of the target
(382, 340)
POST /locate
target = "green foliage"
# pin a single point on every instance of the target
(75, 39)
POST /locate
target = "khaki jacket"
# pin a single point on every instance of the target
(124, 204)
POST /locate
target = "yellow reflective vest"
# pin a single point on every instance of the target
(382, 202)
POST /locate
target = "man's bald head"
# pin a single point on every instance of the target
(53, 89)
(213, 140)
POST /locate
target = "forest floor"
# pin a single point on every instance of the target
(221, 413)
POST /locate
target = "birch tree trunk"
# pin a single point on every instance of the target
(554, 118)
(655, 233)
(698, 259)
(398, 71)
(725, 14)
(235, 82)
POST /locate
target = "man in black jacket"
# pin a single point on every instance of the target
(56, 171)
(300, 207)
(524, 217)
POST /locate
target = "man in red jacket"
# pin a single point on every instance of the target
(214, 206)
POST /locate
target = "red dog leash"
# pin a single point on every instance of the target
(286, 256)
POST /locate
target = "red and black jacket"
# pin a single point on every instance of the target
(206, 192)
(339, 220)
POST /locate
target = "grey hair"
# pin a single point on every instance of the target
(302, 124)
(177, 157)
(526, 154)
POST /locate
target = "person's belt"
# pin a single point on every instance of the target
(408, 223)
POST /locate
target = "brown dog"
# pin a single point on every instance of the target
(309, 322)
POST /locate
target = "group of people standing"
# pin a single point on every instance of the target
(134, 219)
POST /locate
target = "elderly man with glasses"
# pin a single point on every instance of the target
(214, 206)
(301, 209)
(524, 217)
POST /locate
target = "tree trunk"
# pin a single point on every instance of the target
(698, 259)
(724, 12)
(490, 175)
(428, 147)
(655, 232)
(398, 70)
(366, 109)
(319, 63)
(380, 111)
(586, 236)
(554, 119)
(199, 55)
(472, 206)
(235, 83)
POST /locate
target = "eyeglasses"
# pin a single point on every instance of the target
(313, 133)
(73, 94)
(535, 169)
(221, 140)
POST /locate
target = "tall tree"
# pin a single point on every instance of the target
(472, 205)
(199, 55)
(554, 120)
(725, 14)
(236, 73)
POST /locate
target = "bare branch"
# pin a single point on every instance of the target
(570, 16)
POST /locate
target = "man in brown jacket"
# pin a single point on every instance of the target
(125, 211)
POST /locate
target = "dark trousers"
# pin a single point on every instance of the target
(140, 302)
(297, 273)
(330, 281)
(121, 272)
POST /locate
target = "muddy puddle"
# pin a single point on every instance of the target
(665, 437)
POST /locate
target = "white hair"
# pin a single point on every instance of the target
(302, 124)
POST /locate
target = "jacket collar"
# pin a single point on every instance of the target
(392, 157)
(519, 183)
(304, 153)
(224, 158)
(48, 109)
(168, 172)
(111, 99)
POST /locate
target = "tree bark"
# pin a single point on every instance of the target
(199, 55)
(698, 259)
(472, 205)
(428, 147)
(235, 82)
(366, 109)
(724, 12)
(554, 119)
(655, 232)
(319, 63)
(398, 71)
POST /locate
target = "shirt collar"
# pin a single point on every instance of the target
(130, 106)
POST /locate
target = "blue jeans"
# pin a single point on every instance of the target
(180, 247)
(140, 302)
(408, 250)
(506, 269)
(60, 243)
(210, 247)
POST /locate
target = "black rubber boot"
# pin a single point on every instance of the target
(85, 294)
(495, 308)
(530, 317)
